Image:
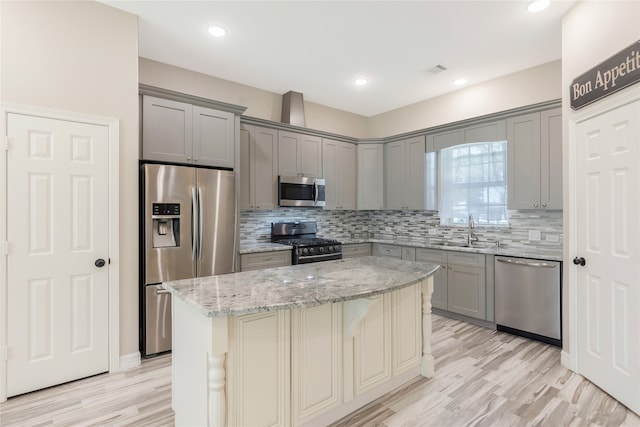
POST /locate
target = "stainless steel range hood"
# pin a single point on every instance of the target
(293, 109)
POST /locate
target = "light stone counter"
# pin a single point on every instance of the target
(298, 286)
(262, 247)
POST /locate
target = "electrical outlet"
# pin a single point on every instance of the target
(433, 231)
(551, 238)
(534, 235)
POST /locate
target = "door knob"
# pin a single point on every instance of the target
(579, 261)
(99, 263)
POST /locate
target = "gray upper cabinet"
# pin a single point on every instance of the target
(404, 172)
(258, 167)
(339, 169)
(178, 132)
(534, 167)
(485, 132)
(370, 176)
(299, 154)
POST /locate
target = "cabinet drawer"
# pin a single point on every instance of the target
(356, 249)
(431, 255)
(465, 258)
(382, 249)
(259, 261)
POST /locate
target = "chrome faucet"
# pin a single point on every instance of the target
(471, 236)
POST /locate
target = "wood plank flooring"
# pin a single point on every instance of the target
(483, 378)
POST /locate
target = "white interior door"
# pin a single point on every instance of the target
(57, 202)
(608, 296)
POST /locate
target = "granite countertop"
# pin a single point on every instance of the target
(298, 286)
(515, 251)
(262, 247)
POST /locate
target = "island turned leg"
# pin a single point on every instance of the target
(217, 374)
(427, 369)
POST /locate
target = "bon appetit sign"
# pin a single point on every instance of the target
(617, 72)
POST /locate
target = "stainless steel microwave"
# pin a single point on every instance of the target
(301, 191)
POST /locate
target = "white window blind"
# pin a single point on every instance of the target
(474, 181)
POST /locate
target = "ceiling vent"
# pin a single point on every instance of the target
(293, 109)
(437, 69)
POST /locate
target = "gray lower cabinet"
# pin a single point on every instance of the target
(460, 283)
(260, 260)
(353, 250)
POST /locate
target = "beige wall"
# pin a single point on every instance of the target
(83, 57)
(532, 86)
(592, 31)
(260, 103)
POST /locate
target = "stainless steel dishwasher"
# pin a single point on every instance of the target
(527, 299)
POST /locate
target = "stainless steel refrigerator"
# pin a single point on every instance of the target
(187, 223)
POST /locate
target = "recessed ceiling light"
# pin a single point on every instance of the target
(360, 82)
(538, 5)
(217, 31)
(459, 82)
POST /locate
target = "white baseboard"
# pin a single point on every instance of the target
(130, 361)
(565, 360)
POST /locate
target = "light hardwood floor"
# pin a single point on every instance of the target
(483, 378)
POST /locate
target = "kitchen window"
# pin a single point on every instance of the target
(474, 182)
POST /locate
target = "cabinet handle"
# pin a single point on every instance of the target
(535, 205)
(188, 158)
(268, 259)
(195, 159)
(544, 205)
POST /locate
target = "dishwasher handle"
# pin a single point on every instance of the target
(540, 264)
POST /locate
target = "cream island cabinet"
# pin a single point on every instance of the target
(305, 344)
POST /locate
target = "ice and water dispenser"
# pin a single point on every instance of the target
(166, 225)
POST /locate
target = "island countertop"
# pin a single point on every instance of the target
(298, 286)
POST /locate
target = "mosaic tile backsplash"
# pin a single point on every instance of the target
(255, 226)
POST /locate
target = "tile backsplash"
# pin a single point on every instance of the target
(255, 226)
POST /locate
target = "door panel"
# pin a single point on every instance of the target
(217, 195)
(58, 196)
(608, 200)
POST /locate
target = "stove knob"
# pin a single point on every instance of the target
(305, 250)
(320, 249)
(311, 250)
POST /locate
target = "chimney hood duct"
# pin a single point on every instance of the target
(293, 109)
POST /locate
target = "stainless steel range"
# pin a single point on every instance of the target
(306, 246)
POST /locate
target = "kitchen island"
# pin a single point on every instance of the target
(304, 344)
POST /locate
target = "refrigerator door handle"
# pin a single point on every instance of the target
(194, 224)
(200, 220)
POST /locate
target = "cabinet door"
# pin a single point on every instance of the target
(259, 384)
(265, 168)
(331, 169)
(414, 186)
(316, 360)
(259, 261)
(383, 249)
(394, 175)
(487, 132)
(347, 177)
(288, 153)
(466, 291)
(372, 346)
(370, 177)
(213, 137)
(246, 198)
(436, 256)
(310, 156)
(523, 164)
(551, 159)
(166, 130)
(407, 328)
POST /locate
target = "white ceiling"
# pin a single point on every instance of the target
(319, 47)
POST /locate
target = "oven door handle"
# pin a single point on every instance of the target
(319, 257)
